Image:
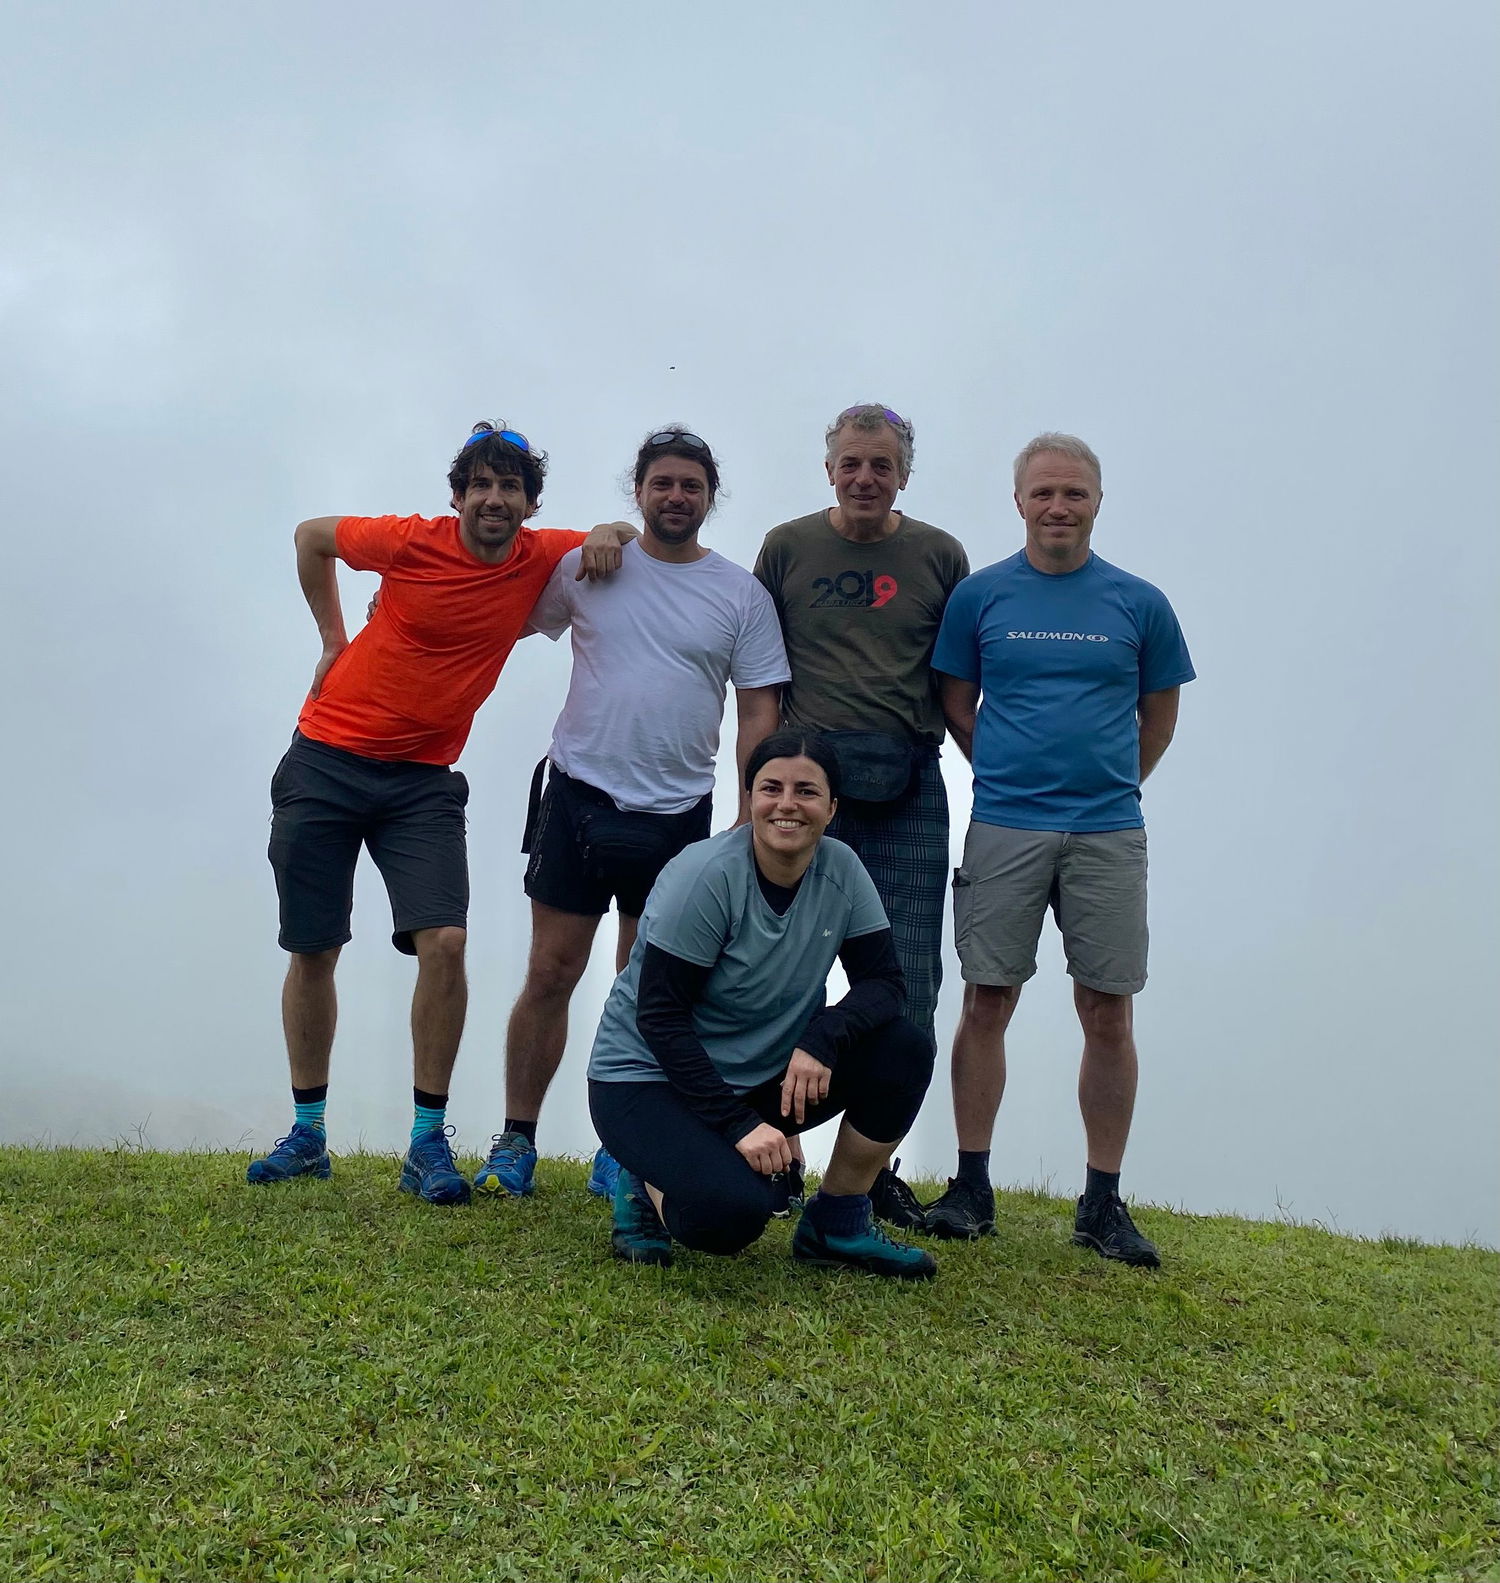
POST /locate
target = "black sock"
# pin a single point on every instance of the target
(427, 1101)
(309, 1096)
(1100, 1184)
(527, 1129)
(974, 1166)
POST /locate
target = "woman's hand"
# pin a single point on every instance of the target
(805, 1083)
(766, 1148)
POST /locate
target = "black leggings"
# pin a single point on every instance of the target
(712, 1198)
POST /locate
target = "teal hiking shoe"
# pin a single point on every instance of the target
(510, 1167)
(604, 1175)
(428, 1169)
(303, 1152)
(870, 1250)
(638, 1236)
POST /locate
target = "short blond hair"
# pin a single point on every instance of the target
(1059, 445)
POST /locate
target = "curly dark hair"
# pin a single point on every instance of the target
(502, 457)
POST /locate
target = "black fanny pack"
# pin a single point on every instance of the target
(874, 766)
(613, 840)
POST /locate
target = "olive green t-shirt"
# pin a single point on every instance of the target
(860, 621)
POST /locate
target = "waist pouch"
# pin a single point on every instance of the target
(611, 839)
(874, 766)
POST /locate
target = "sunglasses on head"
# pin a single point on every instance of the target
(885, 412)
(673, 436)
(510, 436)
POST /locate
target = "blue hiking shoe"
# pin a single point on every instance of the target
(428, 1169)
(303, 1152)
(605, 1174)
(638, 1236)
(510, 1167)
(870, 1250)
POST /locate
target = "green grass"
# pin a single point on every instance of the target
(331, 1380)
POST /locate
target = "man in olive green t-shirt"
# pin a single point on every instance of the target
(860, 589)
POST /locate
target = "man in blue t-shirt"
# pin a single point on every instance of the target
(1060, 677)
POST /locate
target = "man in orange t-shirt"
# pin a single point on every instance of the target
(370, 765)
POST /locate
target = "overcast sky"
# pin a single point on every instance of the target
(270, 262)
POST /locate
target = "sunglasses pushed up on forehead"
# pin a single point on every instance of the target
(885, 412)
(511, 437)
(674, 436)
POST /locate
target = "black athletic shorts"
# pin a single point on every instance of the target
(326, 803)
(585, 850)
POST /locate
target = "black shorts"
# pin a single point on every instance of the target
(326, 803)
(585, 850)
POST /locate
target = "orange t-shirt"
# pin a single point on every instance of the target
(409, 684)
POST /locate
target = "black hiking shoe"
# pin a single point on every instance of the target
(894, 1202)
(965, 1210)
(788, 1190)
(1105, 1226)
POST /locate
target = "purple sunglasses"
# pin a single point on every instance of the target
(885, 412)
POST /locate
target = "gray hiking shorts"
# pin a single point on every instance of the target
(1095, 884)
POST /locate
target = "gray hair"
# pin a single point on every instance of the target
(1059, 445)
(868, 417)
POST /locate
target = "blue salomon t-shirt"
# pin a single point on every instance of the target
(1061, 662)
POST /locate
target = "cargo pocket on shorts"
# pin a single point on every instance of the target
(963, 909)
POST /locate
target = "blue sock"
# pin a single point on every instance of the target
(308, 1105)
(839, 1214)
(430, 1110)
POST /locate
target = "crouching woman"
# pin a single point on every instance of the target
(716, 1047)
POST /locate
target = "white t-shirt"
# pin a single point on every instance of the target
(654, 647)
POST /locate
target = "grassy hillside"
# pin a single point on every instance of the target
(330, 1380)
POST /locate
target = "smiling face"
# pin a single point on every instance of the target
(1059, 497)
(865, 471)
(674, 498)
(491, 511)
(790, 808)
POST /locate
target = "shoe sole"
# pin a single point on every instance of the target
(898, 1273)
(319, 1173)
(452, 1199)
(493, 1187)
(951, 1233)
(1149, 1261)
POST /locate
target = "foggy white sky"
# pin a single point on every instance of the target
(262, 265)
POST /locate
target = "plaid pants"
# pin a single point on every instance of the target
(904, 846)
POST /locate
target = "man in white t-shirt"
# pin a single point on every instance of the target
(631, 773)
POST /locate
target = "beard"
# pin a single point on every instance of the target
(672, 530)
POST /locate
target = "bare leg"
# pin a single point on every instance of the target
(855, 1163)
(1107, 1075)
(538, 1029)
(979, 1061)
(438, 1005)
(629, 927)
(309, 1014)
